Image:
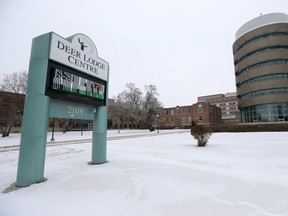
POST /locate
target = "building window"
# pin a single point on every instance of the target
(264, 78)
(189, 119)
(266, 113)
(261, 64)
(167, 112)
(263, 36)
(183, 119)
(189, 110)
(200, 118)
(177, 111)
(183, 111)
(200, 109)
(172, 112)
(178, 123)
(265, 92)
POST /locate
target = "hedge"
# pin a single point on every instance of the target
(259, 127)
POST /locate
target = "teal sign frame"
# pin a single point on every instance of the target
(78, 53)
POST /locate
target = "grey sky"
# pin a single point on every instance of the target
(183, 47)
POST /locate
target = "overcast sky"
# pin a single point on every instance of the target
(183, 47)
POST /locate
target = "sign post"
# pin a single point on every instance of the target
(66, 79)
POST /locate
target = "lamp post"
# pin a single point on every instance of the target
(81, 126)
(52, 139)
(157, 123)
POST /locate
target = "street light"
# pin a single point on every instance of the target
(81, 126)
(157, 123)
(52, 139)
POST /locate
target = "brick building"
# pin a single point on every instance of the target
(11, 110)
(227, 102)
(206, 113)
(182, 116)
(176, 117)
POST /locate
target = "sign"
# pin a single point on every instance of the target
(66, 79)
(71, 110)
(80, 53)
(69, 84)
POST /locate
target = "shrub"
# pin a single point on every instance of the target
(201, 133)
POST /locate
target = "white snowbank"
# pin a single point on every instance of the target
(236, 174)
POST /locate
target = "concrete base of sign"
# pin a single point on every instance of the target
(92, 164)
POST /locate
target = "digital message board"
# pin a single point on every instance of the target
(70, 84)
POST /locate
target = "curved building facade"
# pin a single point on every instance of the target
(261, 68)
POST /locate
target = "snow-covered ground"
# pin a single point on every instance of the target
(237, 174)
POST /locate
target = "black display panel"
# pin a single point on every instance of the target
(69, 84)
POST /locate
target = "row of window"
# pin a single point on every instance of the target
(178, 111)
(260, 37)
(183, 120)
(263, 78)
(265, 113)
(229, 108)
(222, 99)
(265, 49)
(261, 64)
(234, 103)
(265, 92)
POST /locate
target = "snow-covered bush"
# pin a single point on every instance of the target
(201, 133)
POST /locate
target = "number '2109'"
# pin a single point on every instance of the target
(75, 110)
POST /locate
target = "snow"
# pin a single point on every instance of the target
(236, 174)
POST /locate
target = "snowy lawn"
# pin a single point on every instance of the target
(237, 174)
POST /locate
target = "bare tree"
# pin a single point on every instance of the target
(150, 106)
(15, 82)
(12, 106)
(133, 100)
(131, 104)
(119, 110)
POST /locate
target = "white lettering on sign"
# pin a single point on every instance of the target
(79, 54)
(75, 110)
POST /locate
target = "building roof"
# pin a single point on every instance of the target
(260, 21)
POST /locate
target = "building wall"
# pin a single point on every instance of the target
(206, 113)
(228, 104)
(182, 116)
(11, 110)
(176, 117)
(261, 68)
